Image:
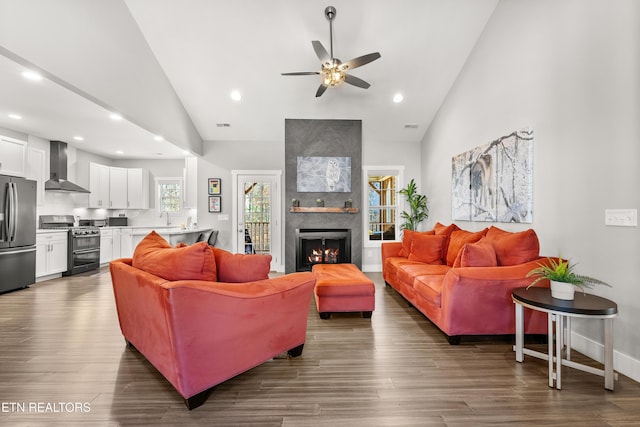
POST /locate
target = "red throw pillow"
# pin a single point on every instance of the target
(514, 248)
(458, 239)
(445, 229)
(240, 268)
(479, 254)
(427, 248)
(407, 238)
(156, 256)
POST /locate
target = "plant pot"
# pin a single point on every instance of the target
(320, 203)
(562, 290)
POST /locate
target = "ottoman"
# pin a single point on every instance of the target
(343, 288)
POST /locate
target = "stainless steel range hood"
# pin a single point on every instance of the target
(58, 170)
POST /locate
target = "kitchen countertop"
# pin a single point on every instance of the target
(170, 230)
(49, 230)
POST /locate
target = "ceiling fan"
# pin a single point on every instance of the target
(334, 71)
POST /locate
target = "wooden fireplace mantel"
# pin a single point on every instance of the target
(318, 209)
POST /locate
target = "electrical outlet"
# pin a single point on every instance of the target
(621, 217)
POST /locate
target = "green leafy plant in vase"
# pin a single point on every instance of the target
(418, 209)
(563, 278)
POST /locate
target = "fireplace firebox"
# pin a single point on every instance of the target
(322, 246)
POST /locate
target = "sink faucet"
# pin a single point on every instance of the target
(166, 212)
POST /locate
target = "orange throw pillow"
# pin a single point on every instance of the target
(514, 248)
(156, 256)
(240, 268)
(479, 254)
(458, 239)
(445, 229)
(407, 238)
(427, 248)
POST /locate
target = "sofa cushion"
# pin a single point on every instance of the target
(156, 256)
(427, 248)
(429, 288)
(458, 239)
(478, 254)
(407, 239)
(408, 273)
(513, 248)
(238, 268)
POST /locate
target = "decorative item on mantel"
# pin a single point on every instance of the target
(348, 203)
(319, 202)
(295, 203)
(563, 279)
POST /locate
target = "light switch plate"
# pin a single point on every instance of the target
(621, 217)
(223, 217)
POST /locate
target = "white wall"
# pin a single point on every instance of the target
(569, 69)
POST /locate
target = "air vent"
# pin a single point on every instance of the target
(411, 126)
(223, 125)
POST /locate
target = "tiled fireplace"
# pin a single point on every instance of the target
(323, 138)
(322, 246)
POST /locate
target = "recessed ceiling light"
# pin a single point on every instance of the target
(158, 138)
(119, 152)
(115, 116)
(14, 116)
(32, 75)
(78, 138)
(236, 95)
(398, 98)
(188, 153)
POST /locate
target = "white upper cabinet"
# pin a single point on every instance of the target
(137, 188)
(99, 186)
(13, 157)
(36, 171)
(117, 188)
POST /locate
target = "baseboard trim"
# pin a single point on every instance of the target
(622, 363)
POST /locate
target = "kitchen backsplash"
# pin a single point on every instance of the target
(56, 203)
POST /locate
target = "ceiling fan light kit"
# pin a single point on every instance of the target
(333, 71)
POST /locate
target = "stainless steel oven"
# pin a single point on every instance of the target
(84, 250)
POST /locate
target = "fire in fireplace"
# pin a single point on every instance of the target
(322, 246)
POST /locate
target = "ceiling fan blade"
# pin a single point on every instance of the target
(359, 61)
(301, 73)
(322, 53)
(321, 90)
(353, 80)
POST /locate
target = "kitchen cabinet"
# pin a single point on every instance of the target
(106, 245)
(117, 188)
(51, 253)
(137, 188)
(13, 157)
(36, 171)
(99, 186)
(126, 243)
(190, 193)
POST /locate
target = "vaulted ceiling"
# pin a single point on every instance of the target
(169, 68)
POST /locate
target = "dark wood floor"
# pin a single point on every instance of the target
(62, 350)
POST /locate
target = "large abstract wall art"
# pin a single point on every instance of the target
(494, 182)
(324, 174)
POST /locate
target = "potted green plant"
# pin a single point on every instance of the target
(418, 209)
(319, 202)
(563, 278)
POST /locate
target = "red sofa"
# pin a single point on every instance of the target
(202, 315)
(462, 280)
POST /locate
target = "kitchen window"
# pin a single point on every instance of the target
(169, 194)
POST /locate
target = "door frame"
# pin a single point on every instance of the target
(277, 253)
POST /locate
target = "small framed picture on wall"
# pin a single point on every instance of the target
(214, 186)
(215, 204)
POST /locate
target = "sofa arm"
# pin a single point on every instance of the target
(479, 299)
(390, 249)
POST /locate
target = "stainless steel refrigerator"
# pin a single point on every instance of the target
(17, 233)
